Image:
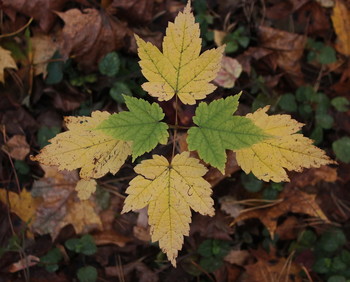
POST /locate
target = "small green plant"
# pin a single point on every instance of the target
(51, 259)
(84, 245)
(236, 39)
(212, 252)
(320, 53)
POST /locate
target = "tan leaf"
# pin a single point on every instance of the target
(17, 147)
(6, 61)
(43, 47)
(85, 188)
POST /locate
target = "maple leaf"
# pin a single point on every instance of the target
(141, 125)
(84, 147)
(6, 61)
(179, 70)
(268, 159)
(170, 190)
(219, 130)
(24, 205)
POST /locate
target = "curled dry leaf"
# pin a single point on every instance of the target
(6, 61)
(230, 70)
(40, 10)
(89, 35)
(17, 147)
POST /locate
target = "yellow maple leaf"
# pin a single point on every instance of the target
(83, 147)
(24, 205)
(170, 190)
(179, 70)
(6, 61)
(268, 159)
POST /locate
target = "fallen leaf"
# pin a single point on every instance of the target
(289, 229)
(60, 205)
(219, 36)
(239, 257)
(107, 237)
(137, 11)
(288, 49)
(290, 200)
(230, 70)
(313, 176)
(268, 159)
(180, 70)
(17, 147)
(83, 147)
(326, 3)
(85, 188)
(170, 190)
(229, 205)
(90, 34)
(6, 61)
(43, 48)
(24, 263)
(271, 268)
(40, 10)
(341, 24)
(24, 205)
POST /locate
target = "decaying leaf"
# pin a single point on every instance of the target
(40, 10)
(290, 200)
(230, 70)
(170, 190)
(17, 147)
(60, 206)
(43, 48)
(269, 268)
(341, 24)
(179, 70)
(85, 188)
(268, 159)
(89, 35)
(6, 61)
(84, 147)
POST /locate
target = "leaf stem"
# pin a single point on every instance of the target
(176, 126)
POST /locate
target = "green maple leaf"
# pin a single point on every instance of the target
(218, 130)
(141, 125)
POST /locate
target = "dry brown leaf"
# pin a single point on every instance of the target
(40, 10)
(61, 205)
(43, 48)
(291, 200)
(229, 205)
(271, 268)
(89, 35)
(6, 61)
(288, 49)
(138, 11)
(313, 176)
(239, 257)
(110, 237)
(17, 147)
(341, 24)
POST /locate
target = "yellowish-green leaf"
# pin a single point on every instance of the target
(6, 61)
(170, 190)
(268, 159)
(180, 70)
(85, 188)
(84, 147)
